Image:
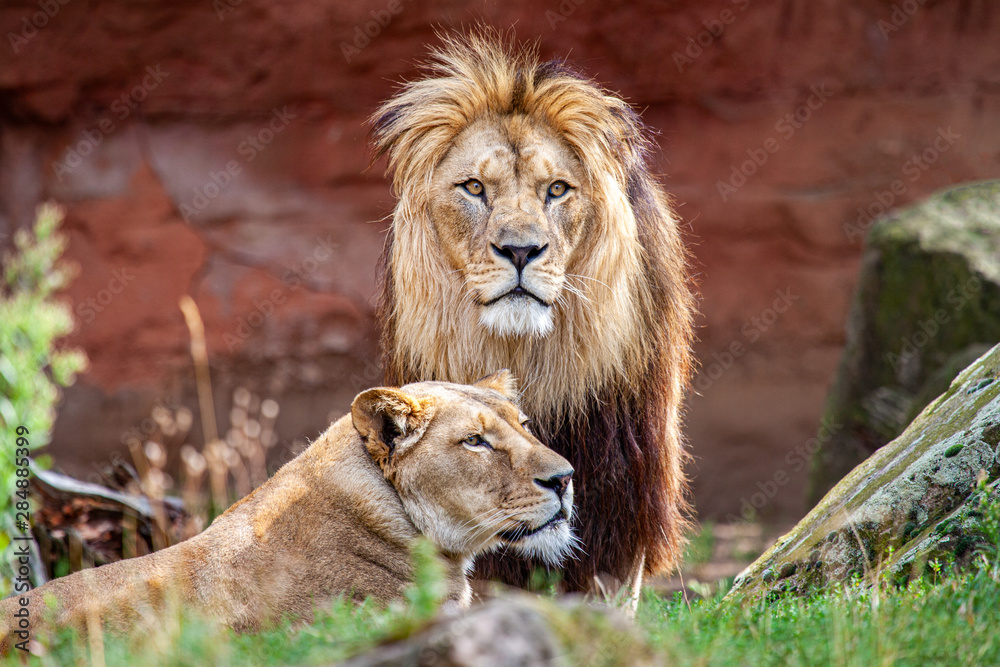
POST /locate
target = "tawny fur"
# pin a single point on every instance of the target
(341, 518)
(605, 386)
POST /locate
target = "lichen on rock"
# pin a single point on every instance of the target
(915, 500)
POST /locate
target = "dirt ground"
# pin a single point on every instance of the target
(716, 553)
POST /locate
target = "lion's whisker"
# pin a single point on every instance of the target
(582, 277)
(575, 290)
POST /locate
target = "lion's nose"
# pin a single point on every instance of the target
(520, 255)
(558, 483)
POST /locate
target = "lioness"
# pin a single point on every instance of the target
(452, 462)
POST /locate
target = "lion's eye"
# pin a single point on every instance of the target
(558, 189)
(473, 187)
(476, 441)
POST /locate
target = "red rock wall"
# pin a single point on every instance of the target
(218, 149)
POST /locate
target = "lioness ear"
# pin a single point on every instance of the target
(503, 381)
(389, 419)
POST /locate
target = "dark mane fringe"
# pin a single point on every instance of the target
(385, 319)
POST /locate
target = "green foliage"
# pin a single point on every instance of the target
(700, 547)
(988, 553)
(31, 369)
(424, 596)
(544, 580)
(950, 621)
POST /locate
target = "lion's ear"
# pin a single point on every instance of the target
(389, 419)
(503, 382)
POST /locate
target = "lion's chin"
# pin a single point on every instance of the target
(517, 316)
(551, 544)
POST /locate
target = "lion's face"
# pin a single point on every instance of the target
(470, 475)
(509, 206)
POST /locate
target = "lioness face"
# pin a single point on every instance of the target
(470, 475)
(509, 206)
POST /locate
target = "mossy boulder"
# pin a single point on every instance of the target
(915, 500)
(927, 305)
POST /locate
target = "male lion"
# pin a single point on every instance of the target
(451, 462)
(529, 234)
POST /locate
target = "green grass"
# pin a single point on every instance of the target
(700, 545)
(950, 622)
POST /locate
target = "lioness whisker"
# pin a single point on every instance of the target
(484, 518)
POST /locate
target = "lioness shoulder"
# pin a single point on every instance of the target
(451, 462)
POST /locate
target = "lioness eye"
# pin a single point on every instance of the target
(473, 187)
(476, 441)
(558, 189)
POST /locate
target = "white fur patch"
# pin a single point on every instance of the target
(555, 543)
(551, 545)
(517, 316)
(434, 522)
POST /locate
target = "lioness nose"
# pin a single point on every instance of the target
(520, 255)
(558, 483)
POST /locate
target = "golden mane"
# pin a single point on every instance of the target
(622, 328)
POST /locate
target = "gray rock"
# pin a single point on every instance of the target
(518, 631)
(913, 501)
(928, 303)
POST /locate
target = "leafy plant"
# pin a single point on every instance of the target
(31, 367)
(988, 553)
